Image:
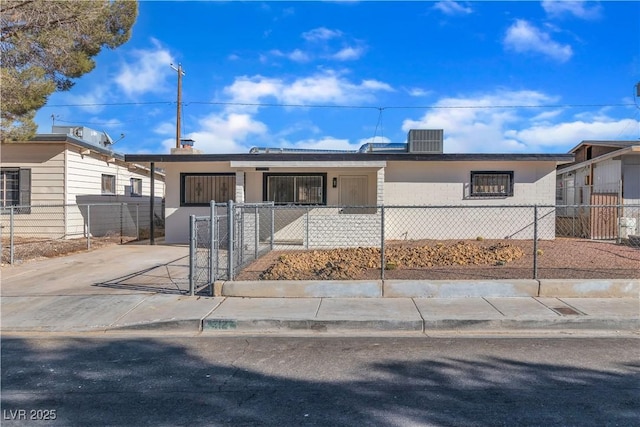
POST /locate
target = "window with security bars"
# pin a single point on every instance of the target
(491, 184)
(298, 189)
(199, 189)
(15, 188)
(108, 184)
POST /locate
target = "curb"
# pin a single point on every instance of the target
(554, 288)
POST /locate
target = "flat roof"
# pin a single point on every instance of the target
(347, 157)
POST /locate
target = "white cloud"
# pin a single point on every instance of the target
(326, 143)
(321, 34)
(523, 37)
(449, 7)
(224, 133)
(469, 128)
(569, 134)
(326, 87)
(90, 102)
(147, 73)
(299, 56)
(418, 92)
(477, 124)
(579, 9)
(348, 54)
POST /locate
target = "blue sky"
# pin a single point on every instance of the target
(498, 77)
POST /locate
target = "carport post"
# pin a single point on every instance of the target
(152, 202)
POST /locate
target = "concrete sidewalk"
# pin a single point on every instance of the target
(142, 288)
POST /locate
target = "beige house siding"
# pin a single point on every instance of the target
(47, 187)
(60, 175)
(401, 183)
(447, 184)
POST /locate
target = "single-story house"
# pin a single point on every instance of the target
(52, 178)
(603, 185)
(416, 174)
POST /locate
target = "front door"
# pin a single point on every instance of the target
(353, 190)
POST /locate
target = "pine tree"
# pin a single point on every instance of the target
(45, 45)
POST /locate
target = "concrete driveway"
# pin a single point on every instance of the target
(117, 269)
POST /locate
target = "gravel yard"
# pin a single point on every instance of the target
(561, 258)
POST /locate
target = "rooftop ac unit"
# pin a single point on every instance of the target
(426, 141)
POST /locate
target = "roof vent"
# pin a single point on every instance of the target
(426, 141)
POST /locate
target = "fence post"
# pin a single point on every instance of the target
(193, 253)
(230, 249)
(137, 222)
(382, 262)
(306, 244)
(273, 224)
(11, 246)
(212, 239)
(535, 242)
(121, 219)
(88, 227)
(255, 232)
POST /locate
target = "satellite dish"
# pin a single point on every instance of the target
(77, 132)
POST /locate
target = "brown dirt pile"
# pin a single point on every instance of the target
(350, 263)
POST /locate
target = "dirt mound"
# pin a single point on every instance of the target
(350, 263)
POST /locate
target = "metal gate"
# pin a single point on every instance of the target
(229, 238)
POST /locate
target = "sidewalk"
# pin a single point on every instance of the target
(140, 288)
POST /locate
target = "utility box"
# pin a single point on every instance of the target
(627, 227)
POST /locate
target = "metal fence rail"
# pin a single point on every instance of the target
(254, 229)
(235, 240)
(28, 229)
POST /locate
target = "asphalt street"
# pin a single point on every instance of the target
(98, 379)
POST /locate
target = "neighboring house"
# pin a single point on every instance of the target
(603, 184)
(419, 174)
(55, 176)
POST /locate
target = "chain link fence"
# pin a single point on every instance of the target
(48, 230)
(435, 242)
(241, 233)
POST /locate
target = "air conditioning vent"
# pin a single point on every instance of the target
(426, 141)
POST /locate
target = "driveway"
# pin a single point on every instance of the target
(117, 269)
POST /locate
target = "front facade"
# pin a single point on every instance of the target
(345, 189)
(604, 175)
(64, 172)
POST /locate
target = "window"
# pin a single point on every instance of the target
(199, 189)
(302, 189)
(108, 184)
(491, 184)
(15, 188)
(136, 187)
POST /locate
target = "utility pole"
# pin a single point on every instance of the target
(180, 74)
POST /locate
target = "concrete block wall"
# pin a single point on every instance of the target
(342, 230)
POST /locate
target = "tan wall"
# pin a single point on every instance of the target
(447, 183)
(47, 169)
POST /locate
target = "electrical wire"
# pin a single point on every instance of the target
(422, 107)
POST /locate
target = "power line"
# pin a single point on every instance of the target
(406, 107)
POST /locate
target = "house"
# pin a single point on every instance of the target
(53, 178)
(324, 185)
(601, 189)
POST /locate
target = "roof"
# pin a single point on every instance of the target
(601, 143)
(348, 157)
(69, 139)
(59, 137)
